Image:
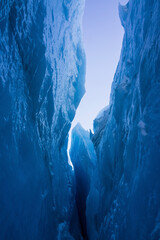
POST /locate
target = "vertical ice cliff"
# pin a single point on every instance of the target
(42, 68)
(127, 135)
(124, 200)
(84, 161)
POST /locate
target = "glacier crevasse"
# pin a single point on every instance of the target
(125, 191)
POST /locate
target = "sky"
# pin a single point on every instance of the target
(102, 36)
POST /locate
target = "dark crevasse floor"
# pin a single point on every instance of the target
(84, 160)
(114, 190)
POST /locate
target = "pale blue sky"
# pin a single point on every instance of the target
(102, 34)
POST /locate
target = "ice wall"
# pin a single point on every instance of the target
(84, 161)
(127, 134)
(121, 193)
(42, 68)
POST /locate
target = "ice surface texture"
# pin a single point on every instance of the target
(127, 138)
(42, 68)
(124, 200)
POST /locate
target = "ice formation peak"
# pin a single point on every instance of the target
(123, 13)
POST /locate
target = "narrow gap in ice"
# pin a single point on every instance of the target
(68, 149)
(103, 43)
